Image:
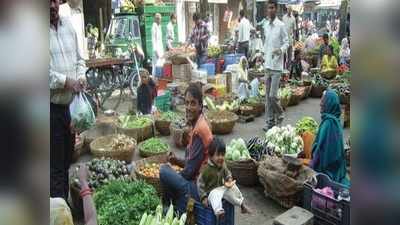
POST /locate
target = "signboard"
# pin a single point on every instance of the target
(329, 3)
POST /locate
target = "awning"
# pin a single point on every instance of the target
(210, 1)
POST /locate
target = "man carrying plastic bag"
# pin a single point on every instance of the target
(66, 77)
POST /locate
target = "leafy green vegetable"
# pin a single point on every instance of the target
(154, 145)
(306, 124)
(237, 150)
(285, 93)
(121, 202)
(133, 121)
(158, 218)
(170, 116)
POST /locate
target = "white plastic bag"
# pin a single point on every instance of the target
(82, 115)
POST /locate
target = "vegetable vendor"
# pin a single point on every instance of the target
(179, 186)
(329, 62)
(328, 155)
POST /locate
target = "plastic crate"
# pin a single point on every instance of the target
(205, 216)
(325, 209)
(209, 68)
(163, 102)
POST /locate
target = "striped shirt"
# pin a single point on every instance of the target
(65, 61)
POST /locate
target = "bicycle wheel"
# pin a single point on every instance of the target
(133, 84)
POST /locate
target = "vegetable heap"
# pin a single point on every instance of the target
(153, 169)
(226, 106)
(219, 117)
(214, 51)
(170, 116)
(341, 86)
(320, 81)
(102, 171)
(154, 145)
(237, 150)
(306, 124)
(257, 148)
(253, 100)
(157, 219)
(124, 202)
(179, 123)
(284, 140)
(132, 121)
(121, 142)
(285, 93)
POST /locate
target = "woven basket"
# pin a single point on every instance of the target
(245, 172)
(145, 154)
(317, 91)
(295, 98)
(154, 181)
(97, 131)
(259, 108)
(139, 134)
(285, 102)
(101, 147)
(224, 127)
(180, 136)
(308, 91)
(162, 127)
(247, 111)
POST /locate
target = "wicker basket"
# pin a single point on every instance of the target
(295, 98)
(245, 172)
(101, 147)
(317, 91)
(162, 127)
(247, 111)
(154, 181)
(97, 131)
(259, 108)
(145, 154)
(180, 136)
(285, 102)
(139, 134)
(224, 127)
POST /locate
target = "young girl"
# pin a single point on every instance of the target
(216, 183)
(146, 93)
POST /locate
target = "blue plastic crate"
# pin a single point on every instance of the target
(230, 59)
(326, 211)
(205, 216)
(158, 71)
(209, 68)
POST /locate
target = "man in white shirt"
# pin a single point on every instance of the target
(244, 34)
(275, 45)
(72, 10)
(171, 32)
(156, 40)
(290, 23)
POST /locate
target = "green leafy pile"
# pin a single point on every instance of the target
(154, 145)
(170, 116)
(121, 202)
(133, 121)
(306, 124)
(285, 93)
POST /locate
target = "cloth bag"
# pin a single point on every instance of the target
(82, 115)
(232, 195)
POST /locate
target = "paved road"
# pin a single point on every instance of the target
(265, 210)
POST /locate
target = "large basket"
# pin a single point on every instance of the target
(162, 126)
(97, 131)
(247, 111)
(295, 98)
(285, 102)
(224, 127)
(317, 91)
(139, 134)
(307, 91)
(146, 154)
(180, 136)
(259, 108)
(154, 181)
(101, 147)
(245, 172)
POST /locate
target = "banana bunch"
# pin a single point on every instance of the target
(127, 6)
(214, 51)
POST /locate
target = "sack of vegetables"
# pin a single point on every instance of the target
(222, 122)
(163, 121)
(138, 127)
(152, 147)
(148, 169)
(115, 146)
(240, 163)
